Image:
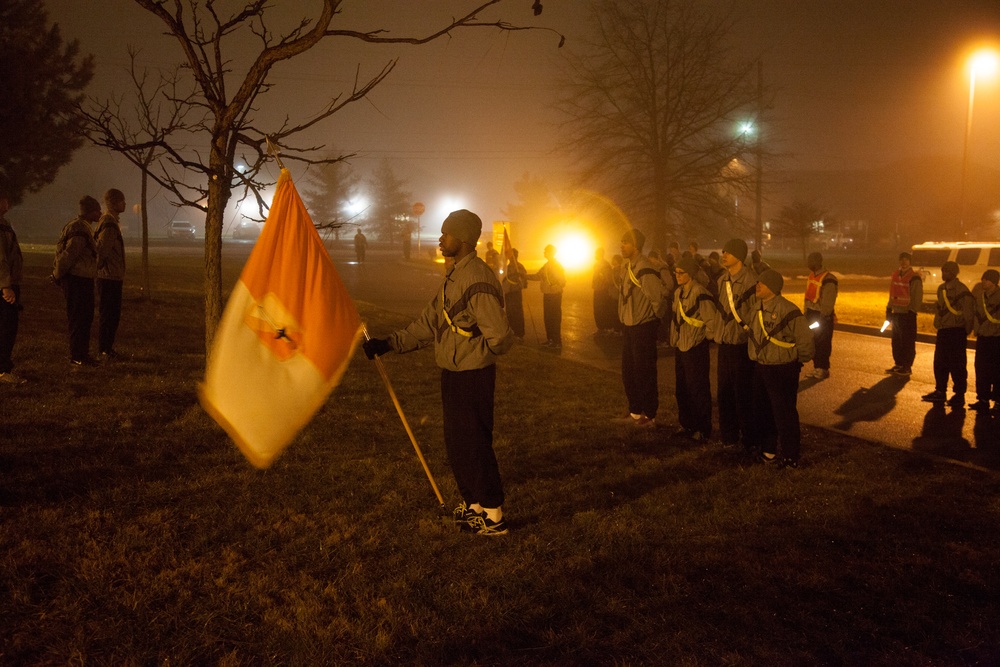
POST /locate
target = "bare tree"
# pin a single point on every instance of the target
(651, 105)
(535, 203)
(798, 221)
(136, 125)
(230, 90)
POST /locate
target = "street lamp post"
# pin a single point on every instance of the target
(981, 63)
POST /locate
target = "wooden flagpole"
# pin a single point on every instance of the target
(402, 417)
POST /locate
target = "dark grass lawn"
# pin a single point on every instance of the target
(132, 532)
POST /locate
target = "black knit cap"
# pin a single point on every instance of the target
(464, 225)
(773, 280)
(737, 248)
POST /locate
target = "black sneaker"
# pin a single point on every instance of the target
(980, 405)
(463, 514)
(894, 369)
(957, 401)
(480, 524)
(935, 396)
(904, 371)
(787, 463)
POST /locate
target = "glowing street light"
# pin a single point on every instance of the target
(982, 63)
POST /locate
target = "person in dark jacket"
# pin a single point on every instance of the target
(986, 298)
(74, 271)
(779, 343)
(467, 325)
(110, 272)
(953, 320)
(11, 272)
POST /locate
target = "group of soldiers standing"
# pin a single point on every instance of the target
(89, 267)
(763, 342)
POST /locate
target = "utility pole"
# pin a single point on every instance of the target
(760, 161)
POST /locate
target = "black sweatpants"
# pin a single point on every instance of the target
(10, 314)
(639, 368)
(904, 338)
(467, 399)
(988, 368)
(79, 293)
(776, 412)
(734, 386)
(693, 388)
(552, 311)
(950, 359)
(514, 305)
(110, 292)
(822, 337)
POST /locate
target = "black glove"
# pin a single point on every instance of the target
(376, 347)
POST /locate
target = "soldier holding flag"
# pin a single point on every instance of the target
(468, 327)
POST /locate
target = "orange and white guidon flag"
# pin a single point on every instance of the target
(286, 336)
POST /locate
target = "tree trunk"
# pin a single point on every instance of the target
(219, 191)
(144, 200)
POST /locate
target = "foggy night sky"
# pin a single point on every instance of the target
(855, 84)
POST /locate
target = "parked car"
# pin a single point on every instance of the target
(180, 229)
(972, 259)
(248, 229)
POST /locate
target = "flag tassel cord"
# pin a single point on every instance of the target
(402, 417)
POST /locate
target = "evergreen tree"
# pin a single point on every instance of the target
(329, 189)
(42, 79)
(390, 208)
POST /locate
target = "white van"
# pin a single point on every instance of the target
(972, 257)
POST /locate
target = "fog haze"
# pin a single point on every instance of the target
(852, 85)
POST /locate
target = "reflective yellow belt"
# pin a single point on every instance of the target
(454, 327)
(631, 276)
(986, 310)
(947, 303)
(690, 320)
(779, 343)
(732, 304)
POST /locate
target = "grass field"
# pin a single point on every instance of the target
(133, 533)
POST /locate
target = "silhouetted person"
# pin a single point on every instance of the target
(514, 282)
(11, 274)
(110, 272)
(552, 277)
(605, 296)
(820, 300)
(360, 246)
(74, 271)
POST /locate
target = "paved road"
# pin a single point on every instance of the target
(858, 399)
